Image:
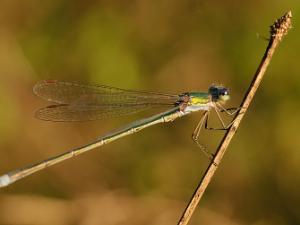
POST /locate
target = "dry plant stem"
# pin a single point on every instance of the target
(278, 30)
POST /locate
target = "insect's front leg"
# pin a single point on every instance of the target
(229, 111)
(224, 125)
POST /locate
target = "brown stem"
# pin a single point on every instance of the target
(278, 30)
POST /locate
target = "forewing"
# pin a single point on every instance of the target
(81, 94)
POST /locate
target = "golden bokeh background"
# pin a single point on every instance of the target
(149, 177)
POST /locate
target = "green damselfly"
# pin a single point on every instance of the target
(80, 102)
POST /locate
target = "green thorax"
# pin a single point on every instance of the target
(199, 98)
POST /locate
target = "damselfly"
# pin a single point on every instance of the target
(79, 102)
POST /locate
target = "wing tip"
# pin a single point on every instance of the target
(54, 113)
(36, 88)
(47, 113)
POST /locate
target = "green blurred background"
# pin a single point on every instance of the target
(148, 178)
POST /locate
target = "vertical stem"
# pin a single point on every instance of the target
(278, 30)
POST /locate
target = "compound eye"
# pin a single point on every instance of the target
(225, 92)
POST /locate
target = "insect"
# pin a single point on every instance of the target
(80, 102)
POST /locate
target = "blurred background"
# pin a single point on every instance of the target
(149, 177)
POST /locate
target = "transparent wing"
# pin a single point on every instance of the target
(79, 102)
(76, 93)
(67, 113)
